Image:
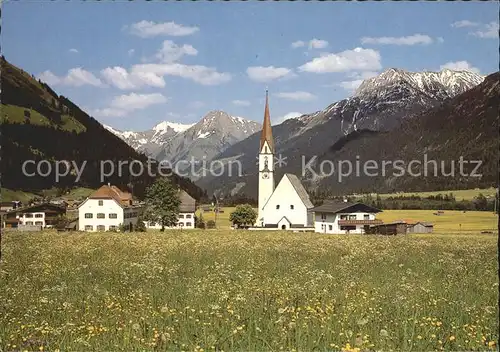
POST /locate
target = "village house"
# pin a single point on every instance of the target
(420, 227)
(391, 228)
(187, 211)
(39, 216)
(342, 217)
(106, 209)
(286, 206)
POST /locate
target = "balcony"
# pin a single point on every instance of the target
(360, 222)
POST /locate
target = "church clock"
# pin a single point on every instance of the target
(265, 175)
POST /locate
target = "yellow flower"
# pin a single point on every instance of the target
(452, 338)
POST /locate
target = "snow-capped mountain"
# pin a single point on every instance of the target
(141, 141)
(381, 103)
(213, 134)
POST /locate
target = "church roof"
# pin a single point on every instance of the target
(267, 134)
(301, 191)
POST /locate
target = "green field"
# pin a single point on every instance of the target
(461, 194)
(225, 290)
(78, 193)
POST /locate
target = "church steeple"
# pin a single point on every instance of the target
(267, 134)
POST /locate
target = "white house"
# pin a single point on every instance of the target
(106, 209)
(186, 214)
(341, 217)
(287, 205)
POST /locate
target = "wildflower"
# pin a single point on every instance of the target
(452, 338)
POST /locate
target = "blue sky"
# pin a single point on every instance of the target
(134, 64)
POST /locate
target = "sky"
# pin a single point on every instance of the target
(132, 64)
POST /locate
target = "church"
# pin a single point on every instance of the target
(286, 206)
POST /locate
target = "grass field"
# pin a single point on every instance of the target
(461, 194)
(248, 291)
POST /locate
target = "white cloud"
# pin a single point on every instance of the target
(131, 52)
(459, 66)
(317, 44)
(241, 102)
(74, 51)
(134, 101)
(151, 29)
(171, 52)
(440, 39)
(298, 95)
(267, 74)
(200, 74)
(76, 77)
(408, 40)
(348, 60)
(298, 44)
(122, 105)
(312, 44)
(464, 23)
(290, 115)
(152, 75)
(489, 30)
(351, 86)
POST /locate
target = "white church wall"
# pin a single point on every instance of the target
(281, 203)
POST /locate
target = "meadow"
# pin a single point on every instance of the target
(225, 290)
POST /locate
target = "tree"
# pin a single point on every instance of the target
(199, 221)
(243, 215)
(162, 203)
(210, 224)
(140, 226)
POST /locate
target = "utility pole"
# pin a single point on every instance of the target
(216, 208)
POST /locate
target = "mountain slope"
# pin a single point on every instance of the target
(381, 103)
(39, 125)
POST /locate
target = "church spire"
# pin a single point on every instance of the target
(267, 134)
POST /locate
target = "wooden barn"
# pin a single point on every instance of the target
(392, 228)
(420, 227)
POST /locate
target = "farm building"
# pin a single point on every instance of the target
(392, 228)
(343, 217)
(42, 215)
(186, 213)
(420, 227)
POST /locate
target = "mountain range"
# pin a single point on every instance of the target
(388, 102)
(212, 135)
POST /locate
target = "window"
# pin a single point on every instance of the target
(88, 216)
(152, 223)
(330, 227)
(323, 216)
(188, 224)
(101, 215)
(39, 223)
(322, 226)
(113, 216)
(181, 216)
(89, 227)
(38, 215)
(352, 217)
(343, 217)
(101, 228)
(29, 222)
(112, 228)
(101, 202)
(188, 216)
(277, 206)
(180, 224)
(366, 216)
(28, 215)
(347, 228)
(291, 206)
